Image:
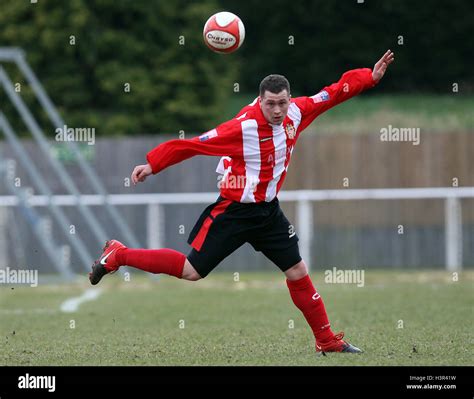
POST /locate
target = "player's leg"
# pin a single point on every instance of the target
(302, 292)
(166, 261)
(189, 272)
(304, 296)
(115, 254)
(309, 301)
(214, 237)
(278, 241)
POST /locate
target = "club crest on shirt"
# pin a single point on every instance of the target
(290, 131)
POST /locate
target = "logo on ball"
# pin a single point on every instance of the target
(224, 32)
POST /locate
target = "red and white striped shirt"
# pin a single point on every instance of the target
(256, 154)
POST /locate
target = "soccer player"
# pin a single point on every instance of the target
(256, 147)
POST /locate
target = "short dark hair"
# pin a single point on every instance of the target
(274, 84)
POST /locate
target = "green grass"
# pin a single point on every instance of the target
(239, 323)
(368, 113)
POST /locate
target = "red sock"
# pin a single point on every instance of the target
(167, 261)
(307, 300)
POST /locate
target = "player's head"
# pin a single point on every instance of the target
(275, 98)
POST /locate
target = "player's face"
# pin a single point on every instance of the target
(275, 106)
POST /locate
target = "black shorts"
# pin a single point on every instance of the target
(226, 225)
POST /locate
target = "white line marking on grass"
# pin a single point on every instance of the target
(72, 304)
(27, 311)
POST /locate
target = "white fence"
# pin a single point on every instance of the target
(304, 211)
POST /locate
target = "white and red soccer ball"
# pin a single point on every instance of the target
(224, 32)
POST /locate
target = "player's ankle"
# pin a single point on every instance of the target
(324, 336)
(120, 257)
(111, 269)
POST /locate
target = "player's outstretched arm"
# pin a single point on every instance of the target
(224, 140)
(381, 66)
(350, 84)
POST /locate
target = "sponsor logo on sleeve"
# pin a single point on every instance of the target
(208, 135)
(321, 96)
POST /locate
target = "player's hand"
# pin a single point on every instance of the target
(141, 172)
(381, 66)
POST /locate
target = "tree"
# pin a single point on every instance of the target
(121, 66)
(314, 42)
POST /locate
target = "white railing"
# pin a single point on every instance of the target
(304, 210)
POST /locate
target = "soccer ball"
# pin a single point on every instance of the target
(224, 32)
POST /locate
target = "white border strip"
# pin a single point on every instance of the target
(194, 198)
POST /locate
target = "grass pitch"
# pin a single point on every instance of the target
(397, 318)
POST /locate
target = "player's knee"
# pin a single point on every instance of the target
(297, 271)
(190, 273)
(193, 277)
